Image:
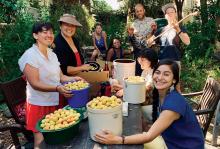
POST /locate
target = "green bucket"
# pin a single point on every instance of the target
(60, 136)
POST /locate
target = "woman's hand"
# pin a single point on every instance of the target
(130, 31)
(120, 93)
(116, 86)
(107, 137)
(62, 90)
(150, 41)
(85, 67)
(175, 25)
(76, 78)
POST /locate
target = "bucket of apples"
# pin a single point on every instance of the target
(80, 90)
(60, 126)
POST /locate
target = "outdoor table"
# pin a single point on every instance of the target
(132, 124)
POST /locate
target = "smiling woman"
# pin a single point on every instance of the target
(41, 68)
(174, 115)
(67, 46)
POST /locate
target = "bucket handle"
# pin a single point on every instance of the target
(126, 85)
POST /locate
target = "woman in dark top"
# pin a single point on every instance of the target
(115, 51)
(67, 47)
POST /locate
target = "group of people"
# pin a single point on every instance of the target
(46, 68)
(99, 38)
(173, 118)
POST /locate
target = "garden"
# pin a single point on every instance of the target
(199, 60)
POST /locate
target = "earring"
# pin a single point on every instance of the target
(172, 88)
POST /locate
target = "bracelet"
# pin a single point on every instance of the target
(179, 33)
(123, 139)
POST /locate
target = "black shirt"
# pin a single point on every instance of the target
(65, 54)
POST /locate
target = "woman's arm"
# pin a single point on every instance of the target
(165, 119)
(110, 54)
(64, 78)
(183, 35)
(74, 70)
(32, 75)
(93, 40)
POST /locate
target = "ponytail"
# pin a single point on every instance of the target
(155, 113)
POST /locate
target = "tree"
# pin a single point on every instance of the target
(179, 5)
(8, 11)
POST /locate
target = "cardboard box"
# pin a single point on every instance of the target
(94, 78)
(102, 63)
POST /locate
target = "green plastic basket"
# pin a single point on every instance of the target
(60, 136)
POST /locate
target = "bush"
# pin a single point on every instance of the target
(15, 39)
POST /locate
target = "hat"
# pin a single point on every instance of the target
(169, 5)
(71, 19)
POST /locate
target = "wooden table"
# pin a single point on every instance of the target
(132, 124)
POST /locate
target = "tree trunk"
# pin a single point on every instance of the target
(179, 5)
(204, 15)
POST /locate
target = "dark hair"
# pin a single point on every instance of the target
(173, 66)
(41, 26)
(149, 54)
(98, 24)
(175, 70)
(111, 42)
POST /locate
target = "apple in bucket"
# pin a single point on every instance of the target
(80, 91)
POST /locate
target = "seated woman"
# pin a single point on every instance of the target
(175, 120)
(115, 50)
(67, 47)
(99, 41)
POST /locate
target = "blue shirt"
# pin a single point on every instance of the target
(100, 44)
(184, 133)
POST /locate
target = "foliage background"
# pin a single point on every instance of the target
(15, 38)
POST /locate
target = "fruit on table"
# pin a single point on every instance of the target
(59, 119)
(92, 68)
(104, 102)
(78, 85)
(135, 79)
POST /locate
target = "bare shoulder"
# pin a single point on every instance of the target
(104, 33)
(111, 50)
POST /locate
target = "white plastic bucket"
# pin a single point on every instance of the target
(134, 92)
(123, 68)
(109, 119)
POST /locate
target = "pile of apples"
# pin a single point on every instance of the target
(78, 85)
(104, 102)
(59, 119)
(135, 79)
